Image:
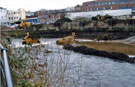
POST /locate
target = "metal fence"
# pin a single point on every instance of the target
(5, 75)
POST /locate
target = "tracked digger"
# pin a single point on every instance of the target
(66, 40)
(30, 39)
(24, 25)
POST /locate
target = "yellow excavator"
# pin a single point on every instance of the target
(24, 25)
(67, 40)
(29, 40)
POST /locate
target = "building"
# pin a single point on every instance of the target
(107, 5)
(29, 14)
(42, 15)
(49, 16)
(33, 20)
(18, 15)
(53, 17)
(90, 14)
(3, 17)
(69, 9)
(78, 8)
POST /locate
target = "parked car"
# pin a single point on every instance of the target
(14, 26)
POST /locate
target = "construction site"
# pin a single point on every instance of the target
(89, 45)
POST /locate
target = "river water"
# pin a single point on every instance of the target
(87, 70)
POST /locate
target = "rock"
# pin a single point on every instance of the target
(103, 53)
(68, 47)
(119, 56)
(90, 51)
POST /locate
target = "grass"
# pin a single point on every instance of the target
(110, 47)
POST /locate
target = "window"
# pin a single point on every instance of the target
(102, 3)
(98, 8)
(109, 8)
(95, 3)
(123, 1)
(113, 2)
(89, 9)
(98, 3)
(105, 2)
(95, 9)
(92, 9)
(89, 5)
(109, 2)
(117, 2)
(5, 17)
(105, 8)
(92, 4)
(132, 1)
(102, 8)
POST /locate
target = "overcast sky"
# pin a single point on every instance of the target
(34, 5)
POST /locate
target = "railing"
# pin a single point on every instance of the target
(5, 75)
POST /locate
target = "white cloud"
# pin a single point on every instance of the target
(34, 5)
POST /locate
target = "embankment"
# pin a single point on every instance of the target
(88, 34)
(89, 51)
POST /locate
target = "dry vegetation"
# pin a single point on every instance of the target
(110, 47)
(38, 72)
(32, 67)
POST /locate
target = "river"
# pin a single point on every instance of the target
(87, 70)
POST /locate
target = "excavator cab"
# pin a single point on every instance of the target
(30, 39)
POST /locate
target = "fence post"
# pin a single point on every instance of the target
(6, 67)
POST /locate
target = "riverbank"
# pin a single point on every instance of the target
(87, 34)
(113, 40)
(90, 51)
(110, 46)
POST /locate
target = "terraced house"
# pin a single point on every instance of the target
(108, 5)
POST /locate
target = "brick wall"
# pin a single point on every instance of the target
(108, 5)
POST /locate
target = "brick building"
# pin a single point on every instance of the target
(108, 5)
(49, 16)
